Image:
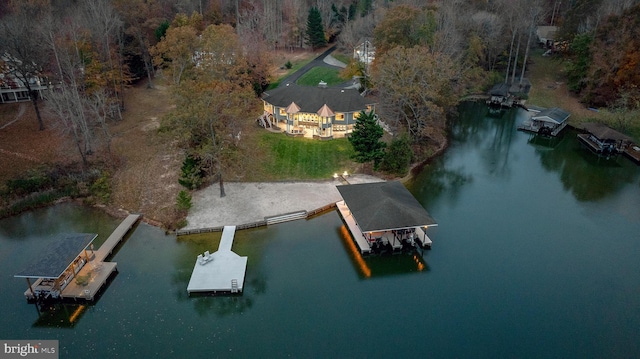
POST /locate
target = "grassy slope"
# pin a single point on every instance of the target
(287, 158)
(313, 77)
(549, 89)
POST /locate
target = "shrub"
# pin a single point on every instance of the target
(398, 156)
(288, 65)
(191, 174)
(101, 188)
(183, 202)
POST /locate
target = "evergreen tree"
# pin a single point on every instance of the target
(398, 156)
(315, 30)
(365, 139)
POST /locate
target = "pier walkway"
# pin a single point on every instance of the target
(95, 273)
(222, 271)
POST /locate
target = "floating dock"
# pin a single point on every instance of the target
(219, 272)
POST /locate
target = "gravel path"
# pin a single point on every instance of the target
(251, 202)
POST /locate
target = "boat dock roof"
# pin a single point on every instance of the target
(222, 271)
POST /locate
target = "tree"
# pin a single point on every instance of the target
(24, 45)
(365, 139)
(315, 29)
(417, 89)
(398, 156)
(175, 52)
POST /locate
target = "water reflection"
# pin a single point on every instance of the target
(586, 176)
(59, 315)
(372, 266)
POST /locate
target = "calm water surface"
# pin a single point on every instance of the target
(536, 256)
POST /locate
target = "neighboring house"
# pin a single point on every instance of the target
(12, 88)
(603, 140)
(365, 52)
(318, 112)
(546, 122)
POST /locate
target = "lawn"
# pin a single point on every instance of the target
(288, 158)
(296, 65)
(312, 77)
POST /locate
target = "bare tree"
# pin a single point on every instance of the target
(23, 44)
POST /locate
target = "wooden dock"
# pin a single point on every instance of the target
(95, 273)
(222, 271)
(633, 153)
(356, 233)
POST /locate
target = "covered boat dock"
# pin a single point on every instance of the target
(384, 215)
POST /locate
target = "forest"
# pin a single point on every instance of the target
(216, 54)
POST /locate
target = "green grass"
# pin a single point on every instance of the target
(342, 57)
(287, 158)
(296, 66)
(329, 75)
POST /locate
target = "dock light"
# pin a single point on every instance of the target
(335, 175)
(345, 174)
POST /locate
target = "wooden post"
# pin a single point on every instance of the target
(30, 288)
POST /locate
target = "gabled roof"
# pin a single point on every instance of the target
(55, 258)
(501, 89)
(383, 206)
(604, 133)
(310, 99)
(555, 115)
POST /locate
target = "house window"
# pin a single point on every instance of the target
(339, 116)
(356, 115)
(283, 112)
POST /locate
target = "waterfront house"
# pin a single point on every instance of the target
(548, 122)
(12, 86)
(319, 112)
(499, 96)
(603, 140)
(384, 215)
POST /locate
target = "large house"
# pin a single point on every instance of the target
(319, 112)
(12, 88)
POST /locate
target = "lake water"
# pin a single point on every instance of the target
(536, 255)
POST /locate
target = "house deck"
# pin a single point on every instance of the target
(222, 271)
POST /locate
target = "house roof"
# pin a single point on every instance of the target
(57, 256)
(383, 206)
(556, 115)
(547, 32)
(325, 111)
(604, 133)
(310, 99)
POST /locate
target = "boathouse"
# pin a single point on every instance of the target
(318, 112)
(69, 268)
(548, 122)
(384, 215)
(57, 266)
(603, 140)
(499, 96)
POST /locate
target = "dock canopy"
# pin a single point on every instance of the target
(58, 255)
(555, 115)
(383, 206)
(604, 132)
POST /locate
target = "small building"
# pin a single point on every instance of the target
(548, 122)
(603, 140)
(499, 96)
(384, 215)
(546, 36)
(319, 112)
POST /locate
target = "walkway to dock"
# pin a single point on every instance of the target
(222, 271)
(96, 271)
(356, 233)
